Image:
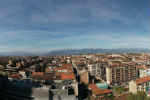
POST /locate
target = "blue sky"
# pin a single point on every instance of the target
(44, 25)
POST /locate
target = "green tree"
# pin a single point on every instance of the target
(132, 97)
(3, 62)
(139, 96)
(119, 89)
(148, 98)
(109, 97)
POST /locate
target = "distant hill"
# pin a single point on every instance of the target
(75, 51)
(94, 51)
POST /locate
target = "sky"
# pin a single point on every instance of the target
(45, 25)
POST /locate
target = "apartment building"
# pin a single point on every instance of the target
(120, 73)
(141, 84)
(97, 68)
(143, 70)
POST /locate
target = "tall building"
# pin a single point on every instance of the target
(10, 62)
(85, 77)
(120, 73)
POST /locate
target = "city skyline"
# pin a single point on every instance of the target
(55, 24)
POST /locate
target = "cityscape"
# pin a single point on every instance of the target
(74, 49)
(105, 76)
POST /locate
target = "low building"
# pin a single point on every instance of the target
(97, 92)
(102, 85)
(28, 90)
(141, 84)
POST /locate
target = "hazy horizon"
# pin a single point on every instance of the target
(55, 50)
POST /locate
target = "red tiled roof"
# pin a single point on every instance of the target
(141, 67)
(37, 73)
(67, 77)
(14, 75)
(95, 90)
(56, 76)
(47, 69)
(66, 65)
(47, 77)
(63, 73)
(142, 80)
(60, 68)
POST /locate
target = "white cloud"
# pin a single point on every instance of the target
(132, 42)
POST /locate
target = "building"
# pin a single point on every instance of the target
(99, 91)
(120, 73)
(143, 70)
(10, 62)
(102, 85)
(84, 77)
(28, 90)
(18, 64)
(96, 69)
(141, 84)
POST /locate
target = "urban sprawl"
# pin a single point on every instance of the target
(105, 76)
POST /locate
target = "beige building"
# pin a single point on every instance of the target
(10, 62)
(85, 77)
(120, 73)
(141, 84)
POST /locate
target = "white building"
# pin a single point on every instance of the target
(144, 72)
(95, 69)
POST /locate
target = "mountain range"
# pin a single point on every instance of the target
(77, 51)
(97, 50)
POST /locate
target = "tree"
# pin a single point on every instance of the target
(108, 97)
(148, 98)
(139, 96)
(3, 62)
(132, 97)
(119, 89)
